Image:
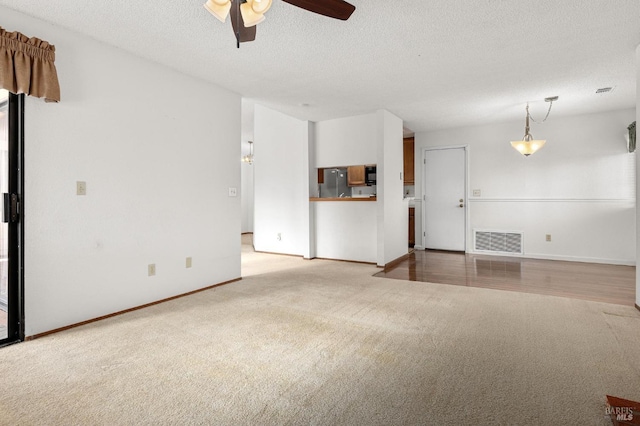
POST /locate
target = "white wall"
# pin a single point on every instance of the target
(637, 168)
(158, 151)
(287, 153)
(281, 182)
(347, 141)
(309, 240)
(393, 210)
(346, 230)
(246, 135)
(247, 196)
(580, 187)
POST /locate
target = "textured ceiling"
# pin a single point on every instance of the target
(435, 64)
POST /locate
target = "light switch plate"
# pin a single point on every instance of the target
(151, 269)
(233, 192)
(477, 193)
(188, 262)
(81, 188)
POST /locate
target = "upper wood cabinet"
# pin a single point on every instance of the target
(355, 176)
(409, 175)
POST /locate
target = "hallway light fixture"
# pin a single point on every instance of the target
(528, 145)
(249, 158)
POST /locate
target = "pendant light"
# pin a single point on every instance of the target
(528, 145)
(249, 158)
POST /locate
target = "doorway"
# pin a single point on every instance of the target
(444, 209)
(11, 232)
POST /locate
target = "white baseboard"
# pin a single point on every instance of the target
(621, 262)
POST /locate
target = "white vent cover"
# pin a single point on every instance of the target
(603, 90)
(498, 241)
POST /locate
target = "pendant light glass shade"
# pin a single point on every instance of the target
(218, 8)
(528, 147)
(253, 11)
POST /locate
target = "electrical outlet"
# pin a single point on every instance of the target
(188, 262)
(477, 193)
(151, 269)
(548, 237)
(81, 188)
(279, 237)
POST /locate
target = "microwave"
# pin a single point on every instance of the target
(370, 175)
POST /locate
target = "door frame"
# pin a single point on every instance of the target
(15, 317)
(423, 178)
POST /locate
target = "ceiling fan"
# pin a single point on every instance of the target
(246, 14)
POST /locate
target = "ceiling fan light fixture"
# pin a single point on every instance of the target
(246, 14)
(218, 8)
(260, 6)
(253, 11)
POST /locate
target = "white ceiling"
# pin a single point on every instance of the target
(435, 63)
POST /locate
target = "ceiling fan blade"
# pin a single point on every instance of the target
(242, 33)
(338, 9)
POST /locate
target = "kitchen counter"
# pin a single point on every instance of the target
(344, 199)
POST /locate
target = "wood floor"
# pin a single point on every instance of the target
(589, 281)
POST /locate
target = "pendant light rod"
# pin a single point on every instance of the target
(527, 136)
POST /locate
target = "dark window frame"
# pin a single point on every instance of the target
(15, 319)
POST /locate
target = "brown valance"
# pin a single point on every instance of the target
(27, 66)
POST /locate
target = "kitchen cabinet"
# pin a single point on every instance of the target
(355, 176)
(412, 226)
(408, 147)
(320, 176)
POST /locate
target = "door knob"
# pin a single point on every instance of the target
(461, 205)
(461, 200)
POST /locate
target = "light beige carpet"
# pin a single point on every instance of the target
(321, 342)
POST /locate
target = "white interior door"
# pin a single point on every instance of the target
(444, 203)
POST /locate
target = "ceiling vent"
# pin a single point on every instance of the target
(603, 90)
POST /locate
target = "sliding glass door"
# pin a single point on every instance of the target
(4, 227)
(11, 130)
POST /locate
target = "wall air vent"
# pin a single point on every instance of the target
(498, 242)
(604, 90)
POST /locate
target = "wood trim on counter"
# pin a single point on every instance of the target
(344, 199)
